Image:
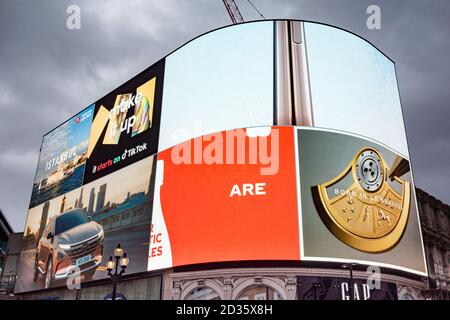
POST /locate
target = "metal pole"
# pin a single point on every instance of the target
(115, 278)
(114, 288)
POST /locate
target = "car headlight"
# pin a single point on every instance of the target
(101, 233)
(64, 246)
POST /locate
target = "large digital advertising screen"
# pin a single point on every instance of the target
(358, 202)
(228, 196)
(184, 163)
(126, 123)
(220, 81)
(74, 233)
(353, 86)
(63, 158)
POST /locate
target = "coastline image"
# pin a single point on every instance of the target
(63, 157)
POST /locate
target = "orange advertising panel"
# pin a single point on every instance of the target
(225, 197)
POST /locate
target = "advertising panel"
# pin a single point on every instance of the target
(357, 202)
(75, 233)
(353, 86)
(222, 80)
(125, 127)
(229, 196)
(330, 288)
(63, 158)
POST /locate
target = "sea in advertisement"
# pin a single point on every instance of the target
(44, 194)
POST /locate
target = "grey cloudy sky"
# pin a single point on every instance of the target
(48, 73)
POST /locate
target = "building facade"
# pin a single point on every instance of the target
(5, 230)
(435, 219)
(10, 247)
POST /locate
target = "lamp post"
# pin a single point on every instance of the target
(350, 282)
(120, 257)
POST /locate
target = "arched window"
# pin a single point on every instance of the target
(407, 296)
(203, 293)
(259, 293)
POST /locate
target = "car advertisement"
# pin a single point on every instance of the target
(358, 202)
(71, 236)
(228, 196)
(125, 127)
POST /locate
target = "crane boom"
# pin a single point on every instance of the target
(233, 11)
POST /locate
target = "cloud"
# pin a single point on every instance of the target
(17, 161)
(6, 99)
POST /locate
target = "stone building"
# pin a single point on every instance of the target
(435, 220)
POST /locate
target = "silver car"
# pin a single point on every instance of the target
(71, 245)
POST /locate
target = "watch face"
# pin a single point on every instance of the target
(369, 210)
(369, 169)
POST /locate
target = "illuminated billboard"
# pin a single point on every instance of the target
(63, 158)
(234, 196)
(353, 86)
(220, 81)
(271, 140)
(75, 233)
(358, 202)
(231, 193)
(125, 127)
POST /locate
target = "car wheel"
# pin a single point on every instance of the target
(48, 273)
(36, 270)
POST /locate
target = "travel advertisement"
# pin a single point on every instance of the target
(62, 158)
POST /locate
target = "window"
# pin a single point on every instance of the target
(260, 293)
(70, 220)
(407, 296)
(203, 293)
(260, 296)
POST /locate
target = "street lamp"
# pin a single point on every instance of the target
(350, 283)
(120, 257)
